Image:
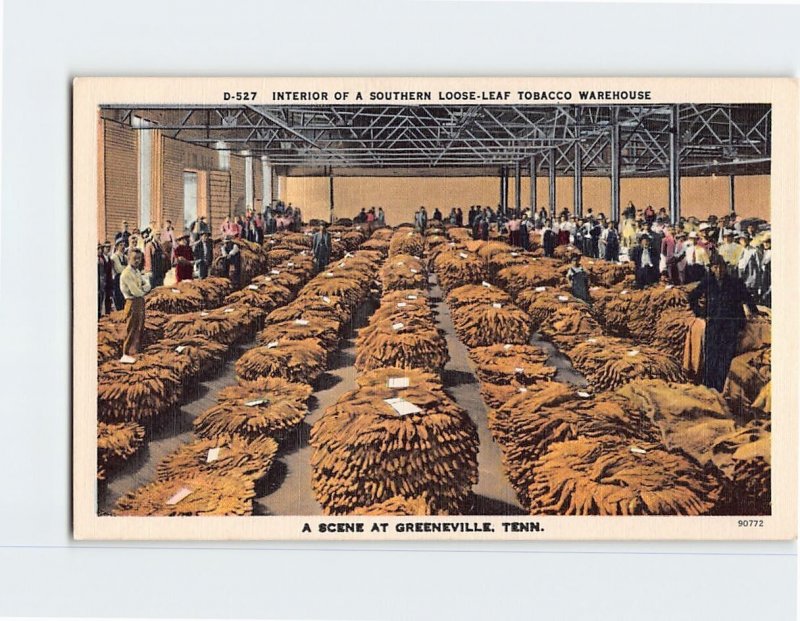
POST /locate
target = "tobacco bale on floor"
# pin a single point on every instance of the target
(610, 362)
(116, 444)
(366, 453)
(298, 361)
(138, 391)
(269, 406)
(745, 456)
(456, 267)
(209, 494)
(529, 422)
(235, 456)
(506, 362)
(486, 324)
(690, 417)
(748, 376)
(610, 475)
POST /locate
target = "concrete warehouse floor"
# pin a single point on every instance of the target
(287, 488)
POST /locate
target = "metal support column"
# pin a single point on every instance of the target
(577, 193)
(503, 190)
(533, 184)
(517, 186)
(330, 197)
(551, 194)
(266, 180)
(615, 164)
(732, 194)
(674, 166)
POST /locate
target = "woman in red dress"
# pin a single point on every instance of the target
(184, 259)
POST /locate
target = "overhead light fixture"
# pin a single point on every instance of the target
(229, 121)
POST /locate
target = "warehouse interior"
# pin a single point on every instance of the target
(515, 389)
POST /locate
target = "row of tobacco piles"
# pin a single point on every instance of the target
(643, 437)
(296, 318)
(397, 444)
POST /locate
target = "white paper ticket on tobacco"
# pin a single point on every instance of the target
(403, 407)
(301, 322)
(213, 455)
(253, 287)
(178, 496)
(398, 382)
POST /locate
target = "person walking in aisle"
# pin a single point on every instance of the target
(578, 279)
(725, 298)
(381, 217)
(184, 259)
(421, 220)
(134, 286)
(513, 226)
(321, 247)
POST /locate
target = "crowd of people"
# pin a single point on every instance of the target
(679, 252)
(729, 257)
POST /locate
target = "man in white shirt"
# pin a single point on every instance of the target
(134, 285)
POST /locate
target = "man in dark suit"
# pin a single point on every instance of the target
(646, 261)
(321, 247)
(203, 251)
(725, 299)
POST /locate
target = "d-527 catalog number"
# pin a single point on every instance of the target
(240, 95)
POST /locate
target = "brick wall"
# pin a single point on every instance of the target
(121, 188)
(119, 183)
(220, 199)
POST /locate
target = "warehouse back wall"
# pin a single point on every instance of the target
(222, 192)
(401, 196)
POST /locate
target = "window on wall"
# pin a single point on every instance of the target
(145, 137)
(189, 199)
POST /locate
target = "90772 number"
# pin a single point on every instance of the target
(751, 523)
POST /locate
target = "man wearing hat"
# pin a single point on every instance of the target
(199, 227)
(646, 262)
(108, 299)
(230, 255)
(321, 247)
(725, 297)
(203, 251)
(676, 264)
(730, 251)
(123, 235)
(134, 285)
(101, 279)
(183, 258)
(149, 252)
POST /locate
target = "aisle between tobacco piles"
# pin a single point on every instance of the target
(493, 493)
(287, 488)
(169, 435)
